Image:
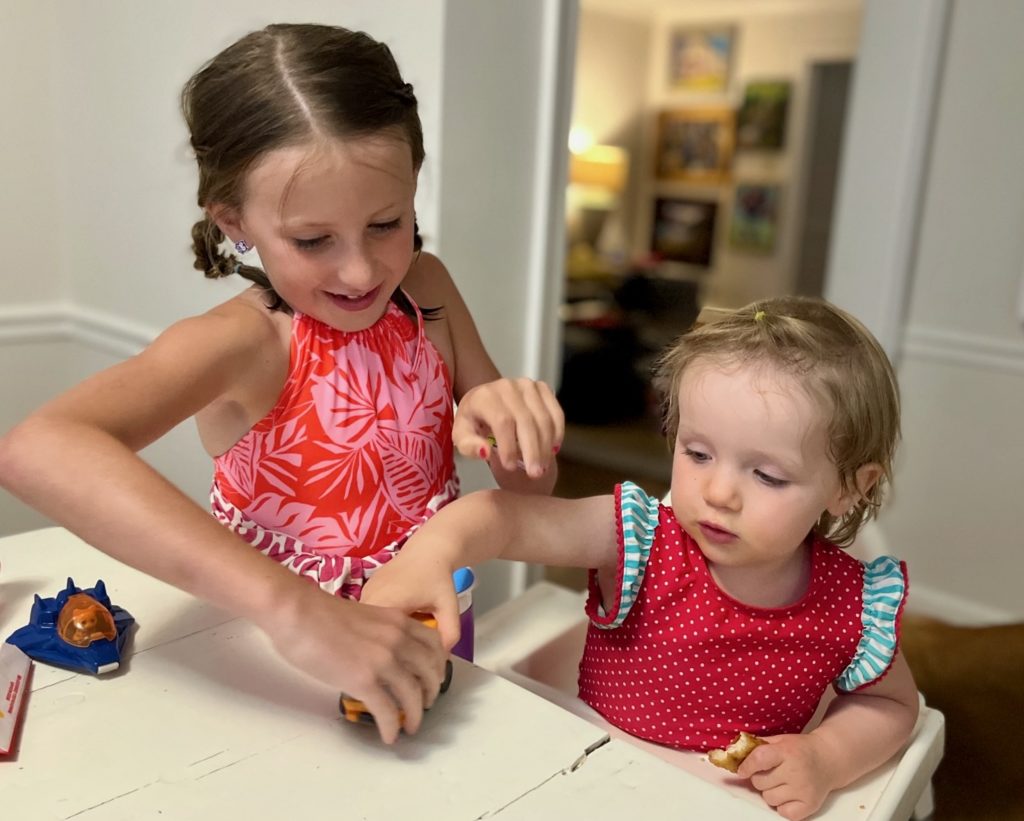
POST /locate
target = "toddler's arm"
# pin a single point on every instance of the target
(75, 461)
(860, 730)
(491, 524)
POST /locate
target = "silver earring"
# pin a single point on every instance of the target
(242, 246)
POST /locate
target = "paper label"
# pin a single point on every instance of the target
(14, 667)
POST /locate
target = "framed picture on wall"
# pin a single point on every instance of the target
(695, 144)
(684, 230)
(700, 59)
(761, 123)
(755, 218)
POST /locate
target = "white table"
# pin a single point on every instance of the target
(205, 721)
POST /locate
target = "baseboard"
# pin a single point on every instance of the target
(67, 322)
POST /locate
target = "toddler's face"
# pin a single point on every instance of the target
(333, 226)
(751, 472)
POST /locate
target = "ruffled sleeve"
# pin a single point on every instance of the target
(885, 592)
(636, 516)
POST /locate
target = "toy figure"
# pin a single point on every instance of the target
(77, 629)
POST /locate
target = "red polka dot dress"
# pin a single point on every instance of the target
(677, 661)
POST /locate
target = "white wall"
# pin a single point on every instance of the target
(29, 230)
(609, 101)
(956, 512)
(773, 41)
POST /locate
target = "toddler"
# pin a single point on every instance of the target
(735, 608)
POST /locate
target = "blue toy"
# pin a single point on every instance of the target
(77, 629)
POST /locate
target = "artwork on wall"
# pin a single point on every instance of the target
(684, 230)
(755, 217)
(762, 117)
(700, 59)
(695, 144)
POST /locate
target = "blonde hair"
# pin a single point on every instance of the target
(839, 363)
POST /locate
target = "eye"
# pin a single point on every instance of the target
(771, 481)
(385, 227)
(696, 455)
(309, 244)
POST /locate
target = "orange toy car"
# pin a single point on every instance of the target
(354, 710)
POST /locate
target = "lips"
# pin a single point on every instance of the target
(361, 303)
(715, 534)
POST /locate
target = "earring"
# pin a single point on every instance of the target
(242, 246)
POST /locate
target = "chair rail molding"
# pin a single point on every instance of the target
(70, 322)
(965, 349)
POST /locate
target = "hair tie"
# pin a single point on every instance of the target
(404, 93)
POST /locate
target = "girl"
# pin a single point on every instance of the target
(735, 608)
(324, 392)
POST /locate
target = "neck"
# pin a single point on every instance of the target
(769, 586)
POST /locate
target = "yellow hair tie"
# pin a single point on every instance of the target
(759, 316)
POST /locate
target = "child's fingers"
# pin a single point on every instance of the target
(446, 611)
(385, 713)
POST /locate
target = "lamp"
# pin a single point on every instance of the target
(600, 166)
(597, 177)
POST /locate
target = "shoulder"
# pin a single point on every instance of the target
(429, 282)
(883, 597)
(228, 338)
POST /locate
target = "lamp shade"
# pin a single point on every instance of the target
(600, 166)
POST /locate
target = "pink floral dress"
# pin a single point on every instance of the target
(355, 455)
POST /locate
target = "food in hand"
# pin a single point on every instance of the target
(732, 756)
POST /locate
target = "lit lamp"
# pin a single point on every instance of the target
(597, 177)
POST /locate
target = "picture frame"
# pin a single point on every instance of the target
(683, 230)
(695, 144)
(761, 121)
(700, 58)
(754, 225)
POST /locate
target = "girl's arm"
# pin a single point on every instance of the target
(493, 524)
(522, 415)
(74, 460)
(860, 730)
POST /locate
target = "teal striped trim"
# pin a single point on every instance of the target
(885, 588)
(639, 521)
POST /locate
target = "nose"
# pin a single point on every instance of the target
(721, 489)
(356, 270)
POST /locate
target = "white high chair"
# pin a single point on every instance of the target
(536, 641)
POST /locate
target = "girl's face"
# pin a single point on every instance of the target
(751, 472)
(333, 226)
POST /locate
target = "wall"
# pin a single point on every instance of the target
(613, 50)
(955, 514)
(772, 41)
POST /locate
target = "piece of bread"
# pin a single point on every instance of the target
(732, 756)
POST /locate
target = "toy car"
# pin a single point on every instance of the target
(77, 629)
(354, 710)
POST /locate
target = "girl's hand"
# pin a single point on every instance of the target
(521, 416)
(792, 772)
(416, 581)
(382, 657)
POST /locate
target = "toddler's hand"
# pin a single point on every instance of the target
(382, 657)
(791, 772)
(523, 417)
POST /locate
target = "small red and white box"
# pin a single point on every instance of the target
(14, 668)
